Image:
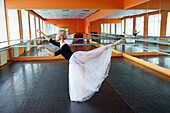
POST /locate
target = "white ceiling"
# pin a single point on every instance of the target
(124, 13)
(64, 13)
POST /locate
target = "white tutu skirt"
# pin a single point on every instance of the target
(87, 71)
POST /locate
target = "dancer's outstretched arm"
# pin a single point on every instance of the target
(48, 38)
(49, 51)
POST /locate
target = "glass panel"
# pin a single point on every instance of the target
(101, 26)
(37, 26)
(13, 26)
(129, 26)
(44, 26)
(57, 28)
(48, 29)
(123, 26)
(25, 25)
(108, 28)
(154, 25)
(32, 24)
(41, 24)
(3, 30)
(168, 26)
(105, 27)
(140, 25)
(112, 28)
(118, 28)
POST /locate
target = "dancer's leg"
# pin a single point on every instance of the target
(83, 57)
(83, 71)
(92, 55)
(118, 42)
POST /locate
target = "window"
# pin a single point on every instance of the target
(41, 25)
(112, 28)
(154, 25)
(3, 32)
(168, 25)
(44, 26)
(101, 26)
(108, 28)
(54, 29)
(57, 28)
(105, 28)
(140, 25)
(129, 26)
(51, 29)
(32, 24)
(25, 25)
(37, 26)
(123, 26)
(13, 26)
(48, 27)
(118, 28)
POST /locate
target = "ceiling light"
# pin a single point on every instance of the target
(47, 13)
(65, 10)
(85, 10)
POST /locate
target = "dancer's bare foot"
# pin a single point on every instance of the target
(118, 42)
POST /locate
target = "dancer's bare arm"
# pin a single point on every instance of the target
(49, 51)
(48, 38)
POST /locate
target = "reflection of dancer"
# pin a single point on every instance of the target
(87, 69)
(134, 34)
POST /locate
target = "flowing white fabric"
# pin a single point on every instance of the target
(87, 70)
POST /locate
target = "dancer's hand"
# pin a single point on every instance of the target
(41, 47)
(37, 30)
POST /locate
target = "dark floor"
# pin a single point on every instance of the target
(142, 90)
(42, 86)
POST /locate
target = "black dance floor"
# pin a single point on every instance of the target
(42, 87)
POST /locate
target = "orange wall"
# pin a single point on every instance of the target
(80, 27)
(72, 4)
(97, 15)
(64, 4)
(154, 4)
(96, 26)
(130, 3)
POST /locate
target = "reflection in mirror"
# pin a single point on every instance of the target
(146, 30)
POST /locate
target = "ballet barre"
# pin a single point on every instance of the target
(138, 36)
(153, 50)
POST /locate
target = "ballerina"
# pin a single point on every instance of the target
(87, 69)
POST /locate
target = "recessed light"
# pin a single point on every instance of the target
(85, 10)
(47, 13)
(66, 10)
